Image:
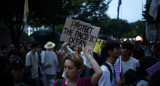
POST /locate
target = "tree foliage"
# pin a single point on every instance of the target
(94, 11)
(139, 28)
(116, 28)
(12, 16)
(147, 16)
(52, 12)
(41, 12)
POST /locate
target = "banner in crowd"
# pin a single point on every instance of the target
(77, 32)
(118, 69)
(98, 45)
(153, 69)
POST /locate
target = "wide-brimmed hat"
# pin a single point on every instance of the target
(49, 45)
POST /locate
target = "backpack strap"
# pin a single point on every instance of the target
(110, 70)
(59, 82)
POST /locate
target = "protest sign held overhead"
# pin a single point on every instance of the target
(77, 32)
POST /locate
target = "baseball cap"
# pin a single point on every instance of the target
(17, 63)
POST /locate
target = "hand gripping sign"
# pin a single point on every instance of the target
(77, 32)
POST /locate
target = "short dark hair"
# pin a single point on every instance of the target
(127, 45)
(109, 45)
(34, 44)
(138, 52)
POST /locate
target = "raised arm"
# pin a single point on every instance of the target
(97, 70)
(64, 46)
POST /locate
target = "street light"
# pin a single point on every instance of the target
(139, 38)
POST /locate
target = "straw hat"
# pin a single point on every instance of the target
(49, 45)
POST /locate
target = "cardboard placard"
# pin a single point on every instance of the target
(77, 32)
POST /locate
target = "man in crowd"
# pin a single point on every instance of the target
(111, 51)
(32, 61)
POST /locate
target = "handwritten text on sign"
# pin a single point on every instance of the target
(77, 32)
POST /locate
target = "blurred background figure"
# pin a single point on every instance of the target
(16, 75)
(49, 64)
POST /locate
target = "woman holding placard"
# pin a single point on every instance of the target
(73, 65)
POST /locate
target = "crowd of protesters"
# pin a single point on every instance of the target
(34, 64)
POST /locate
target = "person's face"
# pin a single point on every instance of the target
(75, 48)
(29, 46)
(124, 52)
(116, 52)
(34, 49)
(17, 73)
(22, 50)
(70, 70)
(11, 47)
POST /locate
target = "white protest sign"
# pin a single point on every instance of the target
(77, 32)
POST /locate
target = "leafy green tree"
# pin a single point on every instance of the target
(116, 28)
(41, 12)
(12, 16)
(52, 12)
(149, 19)
(139, 28)
(59, 28)
(130, 34)
(146, 14)
(94, 11)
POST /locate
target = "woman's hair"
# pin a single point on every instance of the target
(76, 59)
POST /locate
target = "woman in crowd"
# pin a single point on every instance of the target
(73, 65)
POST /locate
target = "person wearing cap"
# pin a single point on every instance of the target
(16, 76)
(49, 64)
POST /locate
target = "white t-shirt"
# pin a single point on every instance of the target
(105, 78)
(32, 60)
(132, 63)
